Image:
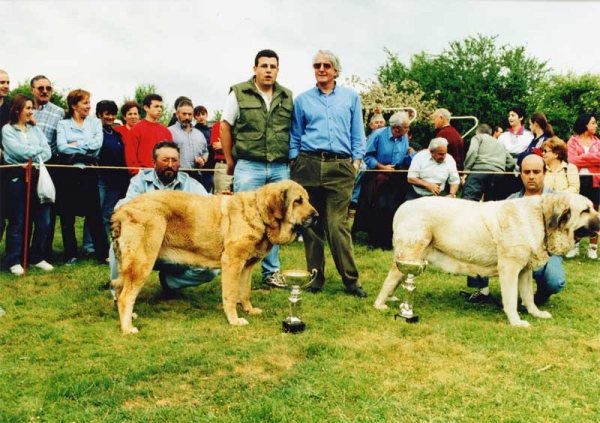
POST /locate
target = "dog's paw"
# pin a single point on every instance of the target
(380, 306)
(254, 311)
(521, 324)
(542, 314)
(239, 322)
(131, 330)
(393, 298)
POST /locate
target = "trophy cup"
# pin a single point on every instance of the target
(297, 279)
(411, 269)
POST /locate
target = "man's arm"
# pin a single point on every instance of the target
(430, 186)
(297, 130)
(227, 145)
(357, 133)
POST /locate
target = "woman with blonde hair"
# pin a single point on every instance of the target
(560, 175)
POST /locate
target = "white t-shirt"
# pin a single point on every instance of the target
(232, 108)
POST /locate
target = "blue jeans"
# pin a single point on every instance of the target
(550, 278)
(16, 194)
(251, 175)
(109, 197)
(176, 275)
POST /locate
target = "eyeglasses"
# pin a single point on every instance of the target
(42, 89)
(326, 66)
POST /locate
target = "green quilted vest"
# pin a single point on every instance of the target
(260, 135)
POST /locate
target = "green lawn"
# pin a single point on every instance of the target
(63, 358)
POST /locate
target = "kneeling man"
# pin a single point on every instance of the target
(166, 176)
(550, 278)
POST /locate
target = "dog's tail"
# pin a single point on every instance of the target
(115, 232)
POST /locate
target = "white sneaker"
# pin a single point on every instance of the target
(574, 252)
(17, 269)
(44, 265)
(593, 253)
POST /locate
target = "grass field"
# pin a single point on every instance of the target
(63, 358)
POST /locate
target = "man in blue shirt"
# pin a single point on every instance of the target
(166, 176)
(326, 147)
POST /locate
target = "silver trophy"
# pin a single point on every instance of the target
(297, 279)
(411, 269)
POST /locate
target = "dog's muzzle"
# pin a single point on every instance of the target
(311, 220)
(590, 230)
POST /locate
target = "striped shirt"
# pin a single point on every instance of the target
(47, 118)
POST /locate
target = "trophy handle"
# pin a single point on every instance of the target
(313, 276)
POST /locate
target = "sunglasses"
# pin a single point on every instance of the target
(326, 66)
(42, 89)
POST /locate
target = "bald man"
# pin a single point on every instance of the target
(550, 278)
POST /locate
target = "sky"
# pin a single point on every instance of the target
(200, 48)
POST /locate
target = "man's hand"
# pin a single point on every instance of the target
(230, 168)
(434, 188)
(410, 150)
(384, 167)
(200, 161)
(356, 164)
(463, 179)
(217, 145)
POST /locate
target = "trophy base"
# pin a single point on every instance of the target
(409, 319)
(296, 327)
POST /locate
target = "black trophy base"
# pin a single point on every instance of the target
(411, 319)
(293, 327)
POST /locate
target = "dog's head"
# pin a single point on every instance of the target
(285, 209)
(568, 216)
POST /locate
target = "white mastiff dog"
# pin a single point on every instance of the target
(506, 238)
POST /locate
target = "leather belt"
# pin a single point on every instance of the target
(327, 155)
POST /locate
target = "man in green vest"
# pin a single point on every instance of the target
(255, 137)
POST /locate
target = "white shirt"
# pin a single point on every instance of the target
(516, 144)
(232, 108)
(424, 167)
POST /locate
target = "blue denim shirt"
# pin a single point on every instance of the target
(19, 146)
(383, 148)
(88, 137)
(331, 123)
(147, 180)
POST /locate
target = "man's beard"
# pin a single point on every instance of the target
(186, 123)
(165, 178)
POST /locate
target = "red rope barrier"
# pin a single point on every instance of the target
(25, 247)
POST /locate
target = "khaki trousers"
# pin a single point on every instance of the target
(329, 185)
(222, 181)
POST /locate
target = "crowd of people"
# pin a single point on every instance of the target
(266, 135)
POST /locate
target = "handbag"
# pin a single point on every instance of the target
(45, 187)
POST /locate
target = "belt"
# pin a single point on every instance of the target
(327, 155)
(220, 161)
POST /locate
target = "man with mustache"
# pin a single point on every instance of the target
(47, 115)
(255, 138)
(191, 142)
(166, 176)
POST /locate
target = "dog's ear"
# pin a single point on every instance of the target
(276, 202)
(557, 210)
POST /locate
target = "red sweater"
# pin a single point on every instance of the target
(215, 135)
(580, 158)
(144, 136)
(456, 145)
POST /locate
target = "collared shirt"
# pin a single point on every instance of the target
(47, 118)
(521, 194)
(20, 146)
(383, 148)
(516, 143)
(232, 108)
(331, 123)
(147, 180)
(191, 145)
(88, 137)
(424, 167)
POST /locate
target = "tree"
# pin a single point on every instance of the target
(141, 91)
(375, 97)
(564, 97)
(57, 97)
(472, 77)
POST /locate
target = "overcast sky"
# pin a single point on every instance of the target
(200, 48)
